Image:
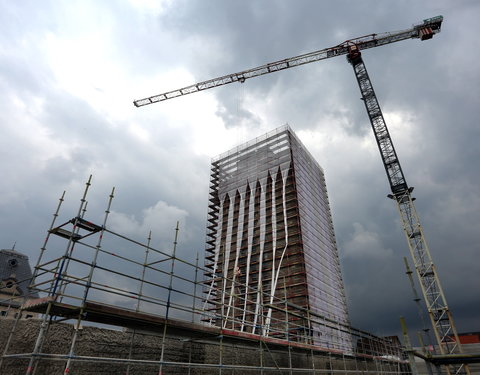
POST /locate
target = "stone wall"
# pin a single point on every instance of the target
(96, 341)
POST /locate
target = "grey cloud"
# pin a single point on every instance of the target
(434, 83)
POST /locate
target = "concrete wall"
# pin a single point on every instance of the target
(95, 341)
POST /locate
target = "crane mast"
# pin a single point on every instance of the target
(440, 316)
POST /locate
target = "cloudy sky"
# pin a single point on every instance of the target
(69, 71)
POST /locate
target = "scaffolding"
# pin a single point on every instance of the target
(112, 304)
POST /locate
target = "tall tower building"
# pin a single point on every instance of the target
(271, 250)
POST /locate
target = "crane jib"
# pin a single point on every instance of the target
(422, 31)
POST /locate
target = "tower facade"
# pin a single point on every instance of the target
(271, 254)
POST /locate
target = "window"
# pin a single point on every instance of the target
(3, 313)
(12, 262)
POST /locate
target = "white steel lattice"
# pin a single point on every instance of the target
(442, 322)
(440, 316)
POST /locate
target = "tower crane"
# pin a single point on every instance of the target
(442, 322)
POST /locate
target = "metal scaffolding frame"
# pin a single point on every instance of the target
(105, 279)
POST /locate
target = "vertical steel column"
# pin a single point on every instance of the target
(34, 276)
(93, 265)
(287, 326)
(9, 339)
(329, 363)
(313, 361)
(262, 364)
(44, 247)
(46, 320)
(140, 295)
(194, 304)
(356, 366)
(376, 354)
(64, 284)
(220, 354)
(167, 311)
(190, 358)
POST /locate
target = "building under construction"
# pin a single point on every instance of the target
(441, 318)
(112, 304)
(270, 233)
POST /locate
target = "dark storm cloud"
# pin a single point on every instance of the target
(428, 91)
(412, 79)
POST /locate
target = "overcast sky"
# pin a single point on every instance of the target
(69, 71)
